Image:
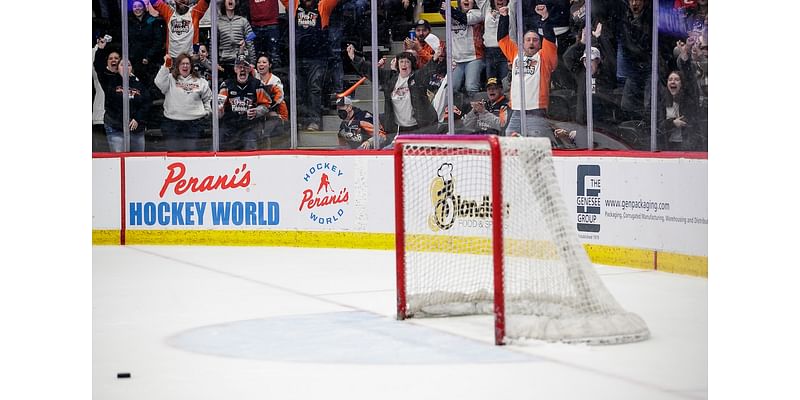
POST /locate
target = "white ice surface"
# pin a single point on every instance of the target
(201, 322)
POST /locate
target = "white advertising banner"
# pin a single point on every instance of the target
(106, 193)
(280, 192)
(649, 203)
(646, 203)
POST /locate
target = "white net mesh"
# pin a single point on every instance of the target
(551, 290)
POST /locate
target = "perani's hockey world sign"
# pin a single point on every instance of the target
(260, 192)
(217, 213)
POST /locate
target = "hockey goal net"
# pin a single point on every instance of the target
(482, 228)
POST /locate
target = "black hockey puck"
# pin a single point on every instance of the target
(123, 375)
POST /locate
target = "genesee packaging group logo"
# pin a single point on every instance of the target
(588, 198)
(326, 199)
(449, 207)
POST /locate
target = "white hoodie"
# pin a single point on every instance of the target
(185, 99)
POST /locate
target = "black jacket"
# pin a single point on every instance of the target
(605, 80)
(139, 100)
(146, 39)
(422, 108)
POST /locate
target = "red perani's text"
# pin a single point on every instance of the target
(181, 185)
(309, 201)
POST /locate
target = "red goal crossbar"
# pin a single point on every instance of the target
(497, 218)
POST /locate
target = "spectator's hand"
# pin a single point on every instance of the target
(393, 65)
(351, 52)
(167, 61)
(478, 107)
(680, 122)
(410, 44)
(133, 124)
(251, 113)
(406, 3)
(563, 134)
(366, 145)
(541, 9)
(598, 30)
(684, 50)
(145, 62)
(691, 38)
(696, 51)
(150, 10)
(503, 11)
(456, 110)
(101, 43)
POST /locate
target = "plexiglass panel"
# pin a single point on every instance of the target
(241, 75)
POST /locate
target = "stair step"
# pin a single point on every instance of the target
(317, 139)
(397, 48)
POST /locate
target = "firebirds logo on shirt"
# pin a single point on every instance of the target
(180, 27)
(306, 18)
(447, 205)
(530, 64)
(188, 86)
(327, 197)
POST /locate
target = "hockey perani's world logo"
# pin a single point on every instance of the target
(448, 205)
(326, 198)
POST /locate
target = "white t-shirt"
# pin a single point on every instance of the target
(401, 100)
(675, 135)
(181, 34)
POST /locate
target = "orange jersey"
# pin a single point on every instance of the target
(325, 8)
(537, 69)
(183, 30)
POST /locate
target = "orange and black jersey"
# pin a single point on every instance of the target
(359, 129)
(242, 97)
(311, 31)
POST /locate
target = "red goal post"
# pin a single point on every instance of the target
(497, 217)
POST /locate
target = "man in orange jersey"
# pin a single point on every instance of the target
(183, 24)
(539, 59)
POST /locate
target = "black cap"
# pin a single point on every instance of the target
(242, 60)
(423, 23)
(494, 81)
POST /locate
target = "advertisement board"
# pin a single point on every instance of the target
(650, 203)
(654, 206)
